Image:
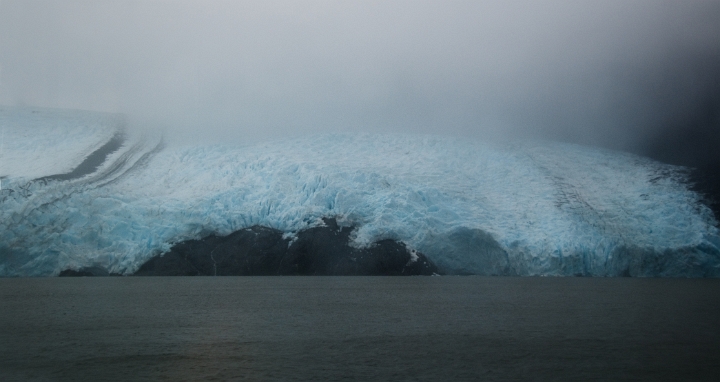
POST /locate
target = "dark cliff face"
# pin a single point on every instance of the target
(260, 250)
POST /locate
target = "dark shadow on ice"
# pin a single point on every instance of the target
(694, 142)
(705, 180)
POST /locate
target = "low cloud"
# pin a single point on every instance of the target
(618, 74)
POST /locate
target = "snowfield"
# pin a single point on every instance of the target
(41, 142)
(470, 206)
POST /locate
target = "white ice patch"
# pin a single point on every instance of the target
(291, 237)
(540, 208)
(42, 142)
(413, 257)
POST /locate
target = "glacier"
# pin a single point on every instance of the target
(472, 207)
(41, 142)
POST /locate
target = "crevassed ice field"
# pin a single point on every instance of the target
(472, 207)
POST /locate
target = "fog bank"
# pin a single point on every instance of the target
(634, 75)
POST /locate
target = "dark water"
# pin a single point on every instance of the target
(359, 328)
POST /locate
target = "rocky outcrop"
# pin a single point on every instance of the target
(323, 250)
(87, 272)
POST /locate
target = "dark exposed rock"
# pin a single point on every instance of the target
(258, 250)
(87, 272)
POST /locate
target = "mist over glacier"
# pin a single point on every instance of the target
(532, 208)
(639, 76)
(423, 122)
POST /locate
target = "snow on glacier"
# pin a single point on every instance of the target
(37, 142)
(472, 207)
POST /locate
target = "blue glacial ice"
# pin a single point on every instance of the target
(532, 208)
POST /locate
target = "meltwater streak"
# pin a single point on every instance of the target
(471, 207)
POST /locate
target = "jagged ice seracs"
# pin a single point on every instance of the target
(472, 207)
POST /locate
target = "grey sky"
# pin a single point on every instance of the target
(615, 73)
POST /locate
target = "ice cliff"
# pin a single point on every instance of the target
(469, 206)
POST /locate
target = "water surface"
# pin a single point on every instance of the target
(359, 328)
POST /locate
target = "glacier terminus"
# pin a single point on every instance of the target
(79, 190)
